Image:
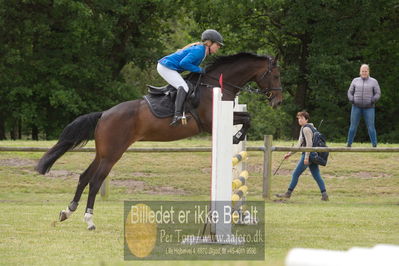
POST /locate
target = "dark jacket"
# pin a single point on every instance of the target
(364, 93)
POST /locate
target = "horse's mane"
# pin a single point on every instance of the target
(220, 60)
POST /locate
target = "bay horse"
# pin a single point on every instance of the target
(117, 128)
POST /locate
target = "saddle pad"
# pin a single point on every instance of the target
(161, 105)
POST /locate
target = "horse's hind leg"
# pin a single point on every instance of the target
(83, 181)
(96, 181)
(118, 129)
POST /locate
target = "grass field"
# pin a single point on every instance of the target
(363, 209)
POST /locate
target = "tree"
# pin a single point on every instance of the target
(64, 58)
(321, 43)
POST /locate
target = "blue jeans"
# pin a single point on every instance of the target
(314, 169)
(369, 117)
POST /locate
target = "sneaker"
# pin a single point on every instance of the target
(348, 145)
(324, 196)
(286, 195)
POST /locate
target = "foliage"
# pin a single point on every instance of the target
(322, 44)
(264, 119)
(64, 58)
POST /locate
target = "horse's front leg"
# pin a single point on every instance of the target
(241, 118)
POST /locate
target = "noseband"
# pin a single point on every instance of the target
(267, 91)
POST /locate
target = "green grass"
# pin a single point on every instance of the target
(363, 209)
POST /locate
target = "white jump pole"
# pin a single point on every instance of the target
(221, 193)
(381, 254)
(222, 149)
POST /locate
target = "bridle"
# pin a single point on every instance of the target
(267, 91)
(248, 88)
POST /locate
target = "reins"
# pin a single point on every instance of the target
(247, 88)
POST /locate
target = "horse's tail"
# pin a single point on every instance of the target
(75, 134)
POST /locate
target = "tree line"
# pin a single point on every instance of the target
(62, 58)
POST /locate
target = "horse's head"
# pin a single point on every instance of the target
(241, 68)
(268, 79)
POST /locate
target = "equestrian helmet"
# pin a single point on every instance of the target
(213, 36)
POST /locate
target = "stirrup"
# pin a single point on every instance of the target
(178, 118)
(184, 119)
(175, 121)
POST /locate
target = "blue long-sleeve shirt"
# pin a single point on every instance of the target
(186, 59)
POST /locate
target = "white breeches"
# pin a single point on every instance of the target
(172, 77)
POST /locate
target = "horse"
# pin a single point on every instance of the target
(115, 129)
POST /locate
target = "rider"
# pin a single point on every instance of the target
(188, 58)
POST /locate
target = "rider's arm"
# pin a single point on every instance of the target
(192, 60)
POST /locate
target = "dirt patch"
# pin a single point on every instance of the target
(141, 186)
(365, 175)
(140, 174)
(167, 191)
(282, 171)
(327, 176)
(370, 175)
(64, 174)
(131, 185)
(255, 168)
(17, 162)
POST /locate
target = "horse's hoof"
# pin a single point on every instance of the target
(63, 216)
(91, 227)
(235, 140)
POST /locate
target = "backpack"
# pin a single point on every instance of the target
(319, 140)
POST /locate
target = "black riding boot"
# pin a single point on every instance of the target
(179, 102)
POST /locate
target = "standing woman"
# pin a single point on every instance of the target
(363, 93)
(188, 58)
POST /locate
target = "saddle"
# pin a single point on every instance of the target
(160, 90)
(161, 100)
